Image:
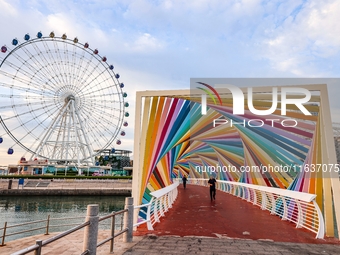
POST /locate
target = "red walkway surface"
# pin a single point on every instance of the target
(193, 214)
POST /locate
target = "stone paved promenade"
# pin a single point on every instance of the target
(156, 245)
(70, 245)
(153, 245)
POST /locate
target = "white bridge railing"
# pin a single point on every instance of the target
(297, 207)
(160, 203)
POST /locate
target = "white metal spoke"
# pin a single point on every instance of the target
(21, 84)
(39, 68)
(30, 132)
(52, 63)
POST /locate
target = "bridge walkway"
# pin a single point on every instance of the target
(193, 214)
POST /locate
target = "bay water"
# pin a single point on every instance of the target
(22, 209)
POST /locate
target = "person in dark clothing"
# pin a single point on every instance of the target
(212, 187)
(184, 179)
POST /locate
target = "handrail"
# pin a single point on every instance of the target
(161, 192)
(160, 203)
(25, 231)
(63, 225)
(143, 205)
(112, 214)
(307, 197)
(297, 207)
(38, 221)
(91, 222)
(47, 227)
(50, 240)
(24, 224)
(70, 231)
(27, 250)
(110, 238)
(303, 196)
(67, 218)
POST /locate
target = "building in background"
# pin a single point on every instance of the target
(118, 160)
(3, 170)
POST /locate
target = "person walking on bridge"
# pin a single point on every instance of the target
(212, 187)
(184, 179)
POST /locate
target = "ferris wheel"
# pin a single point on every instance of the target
(59, 99)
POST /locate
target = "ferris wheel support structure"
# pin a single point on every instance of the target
(68, 120)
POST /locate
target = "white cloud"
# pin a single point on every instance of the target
(299, 40)
(7, 9)
(144, 44)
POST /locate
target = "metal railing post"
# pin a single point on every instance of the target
(4, 234)
(128, 219)
(38, 250)
(91, 230)
(148, 215)
(244, 196)
(321, 227)
(264, 200)
(228, 188)
(162, 204)
(155, 210)
(272, 211)
(249, 195)
(170, 199)
(121, 221)
(285, 209)
(113, 220)
(47, 224)
(255, 197)
(300, 215)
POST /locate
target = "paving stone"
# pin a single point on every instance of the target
(138, 253)
(267, 253)
(200, 245)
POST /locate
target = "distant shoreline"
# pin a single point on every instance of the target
(65, 192)
(66, 187)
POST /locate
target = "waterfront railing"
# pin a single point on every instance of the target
(46, 227)
(298, 207)
(91, 226)
(161, 201)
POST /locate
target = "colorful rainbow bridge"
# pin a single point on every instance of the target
(288, 153)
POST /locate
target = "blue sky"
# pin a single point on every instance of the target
(162, 44)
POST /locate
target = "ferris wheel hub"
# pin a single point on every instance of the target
(69, 98)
